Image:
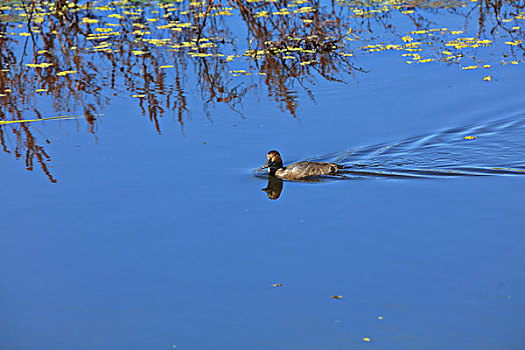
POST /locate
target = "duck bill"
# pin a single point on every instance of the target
(265, 165)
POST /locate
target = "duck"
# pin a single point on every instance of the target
(297, 171)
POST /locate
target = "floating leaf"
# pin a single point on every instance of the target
(89, 20)
(103, 30)
(66, 72)
(41, 65)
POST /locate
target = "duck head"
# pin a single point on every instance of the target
(273, 162)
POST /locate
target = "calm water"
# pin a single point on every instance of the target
(162, 241)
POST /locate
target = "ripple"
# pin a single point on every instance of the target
(498, 149)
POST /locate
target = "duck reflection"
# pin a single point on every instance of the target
(274, 187)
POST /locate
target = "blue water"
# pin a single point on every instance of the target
(162, 241)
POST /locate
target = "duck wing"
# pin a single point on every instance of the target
(307, 169)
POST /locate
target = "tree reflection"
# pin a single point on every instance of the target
(71, 57)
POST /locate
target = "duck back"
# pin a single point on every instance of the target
(307, 169)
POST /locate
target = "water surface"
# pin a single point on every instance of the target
(126, 229)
